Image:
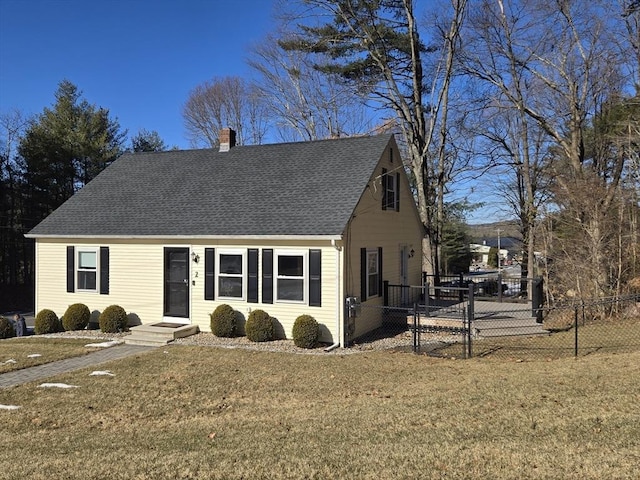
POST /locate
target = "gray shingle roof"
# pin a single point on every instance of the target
(306, 188)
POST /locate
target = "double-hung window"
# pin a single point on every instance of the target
(373, 274)
(291, 276)
(390, 190)
(87, 270)
(231, 274)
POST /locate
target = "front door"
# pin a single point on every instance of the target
(176, 282)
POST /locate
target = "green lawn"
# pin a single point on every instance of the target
(198, 412)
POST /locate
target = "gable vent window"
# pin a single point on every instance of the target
(87, 271)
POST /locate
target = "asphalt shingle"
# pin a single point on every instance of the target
(305, 188)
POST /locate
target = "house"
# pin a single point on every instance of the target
(509, 247)
(292, 228)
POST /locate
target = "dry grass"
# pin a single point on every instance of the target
(50, 350)
(619, 336)
(195, 412)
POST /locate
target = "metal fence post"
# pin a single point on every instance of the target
(385, 293)
(470, 317)
(426, 300)
(575, 323)
(499, 287)
(416, 339)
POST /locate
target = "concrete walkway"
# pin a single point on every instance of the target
(39, 372)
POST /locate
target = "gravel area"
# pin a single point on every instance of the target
(375, 341)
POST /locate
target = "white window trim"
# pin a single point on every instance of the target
(305, 277)
(244, 275)
(376, 253)
(392, 188)
(96, 252)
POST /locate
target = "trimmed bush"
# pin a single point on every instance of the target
(306, 331)
(76, 317)
(224, 321)
(259, 326)
(46, 322)
(6, 328)
(113, 319)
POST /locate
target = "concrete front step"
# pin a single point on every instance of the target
(161, 333)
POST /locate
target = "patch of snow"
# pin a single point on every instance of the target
(34, 355)
(9, 407)
(110, 343)
(102, 372)
(11, 360)
(57, 385)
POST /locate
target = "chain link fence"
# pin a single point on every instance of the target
(471, 328)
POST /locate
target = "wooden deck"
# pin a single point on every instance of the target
(491, 319)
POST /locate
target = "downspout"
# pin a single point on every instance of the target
(338, 299)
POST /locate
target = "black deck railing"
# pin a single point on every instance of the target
(494, 287)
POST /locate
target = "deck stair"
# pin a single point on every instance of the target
(158, 334)
(505, 326)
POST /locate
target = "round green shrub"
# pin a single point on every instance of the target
(223, 321)
(259, 326)
(113, 319)
(76, 317)
(46, 322)
(306, 331)
(6, 328)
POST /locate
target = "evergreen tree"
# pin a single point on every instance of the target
(65, 147)
(146, 141)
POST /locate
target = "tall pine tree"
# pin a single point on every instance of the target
(65, 147)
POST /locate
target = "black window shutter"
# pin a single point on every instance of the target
(397, 192)
(252, 287)
(379, 270)
(209, 273)
(267, 275)
(71, 258)
(104, 270)
(384, 188)
(315, 280)
(363, 274)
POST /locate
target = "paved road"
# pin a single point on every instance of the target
(25, 375)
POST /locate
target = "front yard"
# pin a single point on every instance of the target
(203, 412)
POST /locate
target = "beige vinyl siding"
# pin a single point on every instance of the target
(135, 278)
(371, 227)
(284, 313)
(136, 282)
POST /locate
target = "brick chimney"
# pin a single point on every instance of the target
(227, 139)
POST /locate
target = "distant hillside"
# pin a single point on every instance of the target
(490, 230)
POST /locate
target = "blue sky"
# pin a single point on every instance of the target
(137, 58)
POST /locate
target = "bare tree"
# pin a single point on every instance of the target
(376, 46)
(305, 103)
(220, 103)
(552, 63)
